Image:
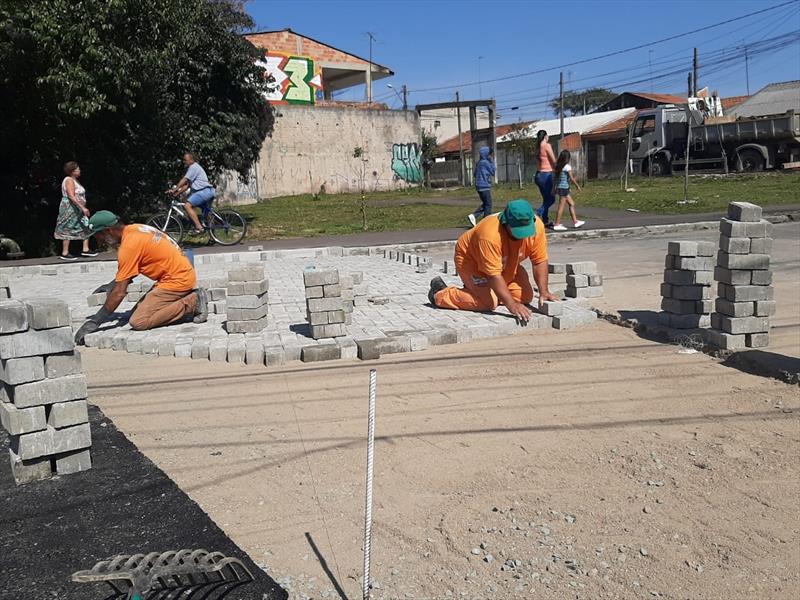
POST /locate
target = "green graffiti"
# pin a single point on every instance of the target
(300, 71)
(405, 162)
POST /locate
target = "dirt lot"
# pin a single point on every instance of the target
(586, 464)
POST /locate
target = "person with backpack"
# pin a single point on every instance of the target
(561, 179)
(484, 174)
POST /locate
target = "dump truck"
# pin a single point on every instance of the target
(658, 141)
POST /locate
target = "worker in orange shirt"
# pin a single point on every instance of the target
(146, 250)
(488, 259)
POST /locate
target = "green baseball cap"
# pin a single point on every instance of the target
(102, 219)
(518, 215)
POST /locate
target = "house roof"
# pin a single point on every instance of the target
(773, 99)
(451, 144)
(256, 37)
(730, 102)
(613, 128)
(660, 98)
(580, 124)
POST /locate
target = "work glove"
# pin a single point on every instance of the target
(105, 288)
(92, 324)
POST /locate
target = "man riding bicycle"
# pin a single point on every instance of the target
(201, 192)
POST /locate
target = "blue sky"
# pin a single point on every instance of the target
(438, 43)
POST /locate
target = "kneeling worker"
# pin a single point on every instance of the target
(488, 258)
(152, 253)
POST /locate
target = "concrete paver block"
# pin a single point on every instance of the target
(246, 288)
(765, 308)
(315, 291)
(249, 326)
(745, 293)
(70, 438)
(315, 277)
(758, 229)
(320, 352)
(585, 292)
(691, 292)
(761, 245)
(582, 268)
(21, 370)
(248, 301)
(756, 340)
(744, 211)
(73, 462)
(248, 273)
(699, 263)
(706, 248)
(36, 342)
(218, 350)
(738, 325)
(17, 421)
(96, 299)
(279, 355)
(332, 291)
(324, 304)
(28, 471)
(13, 316)
(735, 309)
(732, 276)
(66, 414)
(246, 314)
(441, 337)
(200, 346)
(761, 277)
(552, 308)
(682, 248)
(348, 347)
(59, 365)
(328, 331)
(726, 341)
(237, 348)
(742, 261)
(557, 268)
(734, 245)
(48, 391)
(47, 313)
(254, 352)
(219, 293)
(578, 281)
(678, 307)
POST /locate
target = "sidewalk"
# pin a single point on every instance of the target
(598, 219)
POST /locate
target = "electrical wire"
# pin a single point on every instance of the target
(609, 54)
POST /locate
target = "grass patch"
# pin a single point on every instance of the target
(309, 216)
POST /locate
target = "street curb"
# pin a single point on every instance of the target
(744, 360)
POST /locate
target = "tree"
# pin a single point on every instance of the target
(581, 103)
(124, 87)
(429, 150)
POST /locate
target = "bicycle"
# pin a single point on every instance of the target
(226, 226)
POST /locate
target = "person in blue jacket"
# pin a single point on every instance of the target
(484, 174)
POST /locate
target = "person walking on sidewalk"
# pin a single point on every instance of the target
(561, 179)
(544, 176)
(147, 251)
(488, 257)
(201, 192)
(484, 174)
(72, 213)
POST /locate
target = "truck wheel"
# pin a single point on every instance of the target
(659, 166)
(750, 161)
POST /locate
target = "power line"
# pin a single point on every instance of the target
(610, 54)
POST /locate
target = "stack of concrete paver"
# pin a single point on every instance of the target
(5, 288)
(360, 289)
(324, 303)
(686, 292)
(583, 280)
(43, 392)
(745, 299)
(217, 293)
(136, 290)
(247, 296)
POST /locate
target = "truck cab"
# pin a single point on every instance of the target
(655, 139)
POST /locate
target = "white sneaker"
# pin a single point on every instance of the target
(472, 220)
(579, 224)
(559, 227)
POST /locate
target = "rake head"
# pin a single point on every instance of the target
(172, 575)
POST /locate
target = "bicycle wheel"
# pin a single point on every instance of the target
(226, 227)
(169, 225)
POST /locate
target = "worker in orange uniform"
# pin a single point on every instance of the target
(488, 259)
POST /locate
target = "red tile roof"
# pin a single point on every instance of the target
(451, 145)
(612, 128)
(729, 103)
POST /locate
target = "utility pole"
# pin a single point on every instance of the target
(405, 97)
(650, 60)
(695, 67)
(460, 142)
(561, 105)
(689, 84)
(369, 73)
(747, 69)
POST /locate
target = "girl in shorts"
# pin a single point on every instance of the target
(561, 179)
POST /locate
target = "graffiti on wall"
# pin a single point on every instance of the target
(406, 162)
(295, 80)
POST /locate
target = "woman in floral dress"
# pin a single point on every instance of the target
(73, 216)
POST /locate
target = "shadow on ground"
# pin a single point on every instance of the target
(124, 505)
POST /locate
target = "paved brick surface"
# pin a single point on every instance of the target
(396, 306)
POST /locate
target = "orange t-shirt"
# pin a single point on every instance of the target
(545, 164)
(154, 254)
(487, 249)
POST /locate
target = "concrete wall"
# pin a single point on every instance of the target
(312, 147)
(447, 120)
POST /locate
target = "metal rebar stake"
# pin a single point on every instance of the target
(373, 381)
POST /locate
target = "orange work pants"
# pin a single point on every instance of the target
(162, 307)
(479, 296)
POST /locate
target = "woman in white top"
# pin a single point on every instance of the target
(73, 216)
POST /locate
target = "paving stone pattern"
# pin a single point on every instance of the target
(686, 292)
(42, 390)
(745, 297)
(390, 310)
